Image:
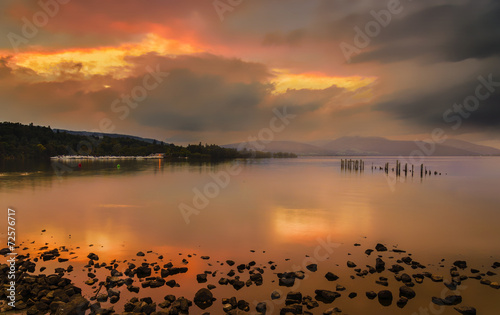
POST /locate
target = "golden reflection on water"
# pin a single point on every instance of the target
(307, 225)
(298, 225)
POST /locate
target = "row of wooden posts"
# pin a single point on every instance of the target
(359, 165)
(352, 165)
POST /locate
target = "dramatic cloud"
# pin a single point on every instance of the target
(448, 32)
(460, 109)
(192, 70)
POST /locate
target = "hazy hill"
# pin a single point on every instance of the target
(111, 135)
(382, 146)
(374, 146)
(480, 149)
(284, 146)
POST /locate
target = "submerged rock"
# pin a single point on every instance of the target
(385, 297)
(93, 256)
(201, 278)
(380, 248)
(143, 272)
(406, 292)
(371, 295)
(402, 302)
(449, 300)
(293, 298)
(466, 310)
(396, 268)
(261, 308)
(437, 278)
(238, 284)
(77, 305)
(462, 264)
(275, 295)
(332, 311)
(292, 309)
(379, 265)
(331, 276)
(287, 282)
(203, 298)
(326, 296)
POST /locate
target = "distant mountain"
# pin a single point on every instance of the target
(283, 146)
(375, 146)
(479, 149)
(350, 145)
(111, 135)
(382, 146)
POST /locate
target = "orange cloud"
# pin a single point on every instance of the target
(284, 81)
(101, 60)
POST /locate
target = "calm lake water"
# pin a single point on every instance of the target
(279, 208)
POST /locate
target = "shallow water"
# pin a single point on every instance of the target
(285, 207)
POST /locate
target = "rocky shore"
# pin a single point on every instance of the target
(41, 293)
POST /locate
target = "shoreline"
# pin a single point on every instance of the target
(395, 273)
(110, 157)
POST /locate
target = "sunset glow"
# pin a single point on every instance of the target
(99, 61)
(226, 70)
(285, 81)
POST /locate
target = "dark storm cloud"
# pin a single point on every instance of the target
(448, 32)
(458, 108)
(192, 102)
(201, 93)
(235, 70)
(306, 101)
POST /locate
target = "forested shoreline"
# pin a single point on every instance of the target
(29, 142)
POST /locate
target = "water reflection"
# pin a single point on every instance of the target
(278, 206)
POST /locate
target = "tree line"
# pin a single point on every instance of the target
(29, 142)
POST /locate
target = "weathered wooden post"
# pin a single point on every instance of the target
(422, 170)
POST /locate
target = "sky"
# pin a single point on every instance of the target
(218, 71)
